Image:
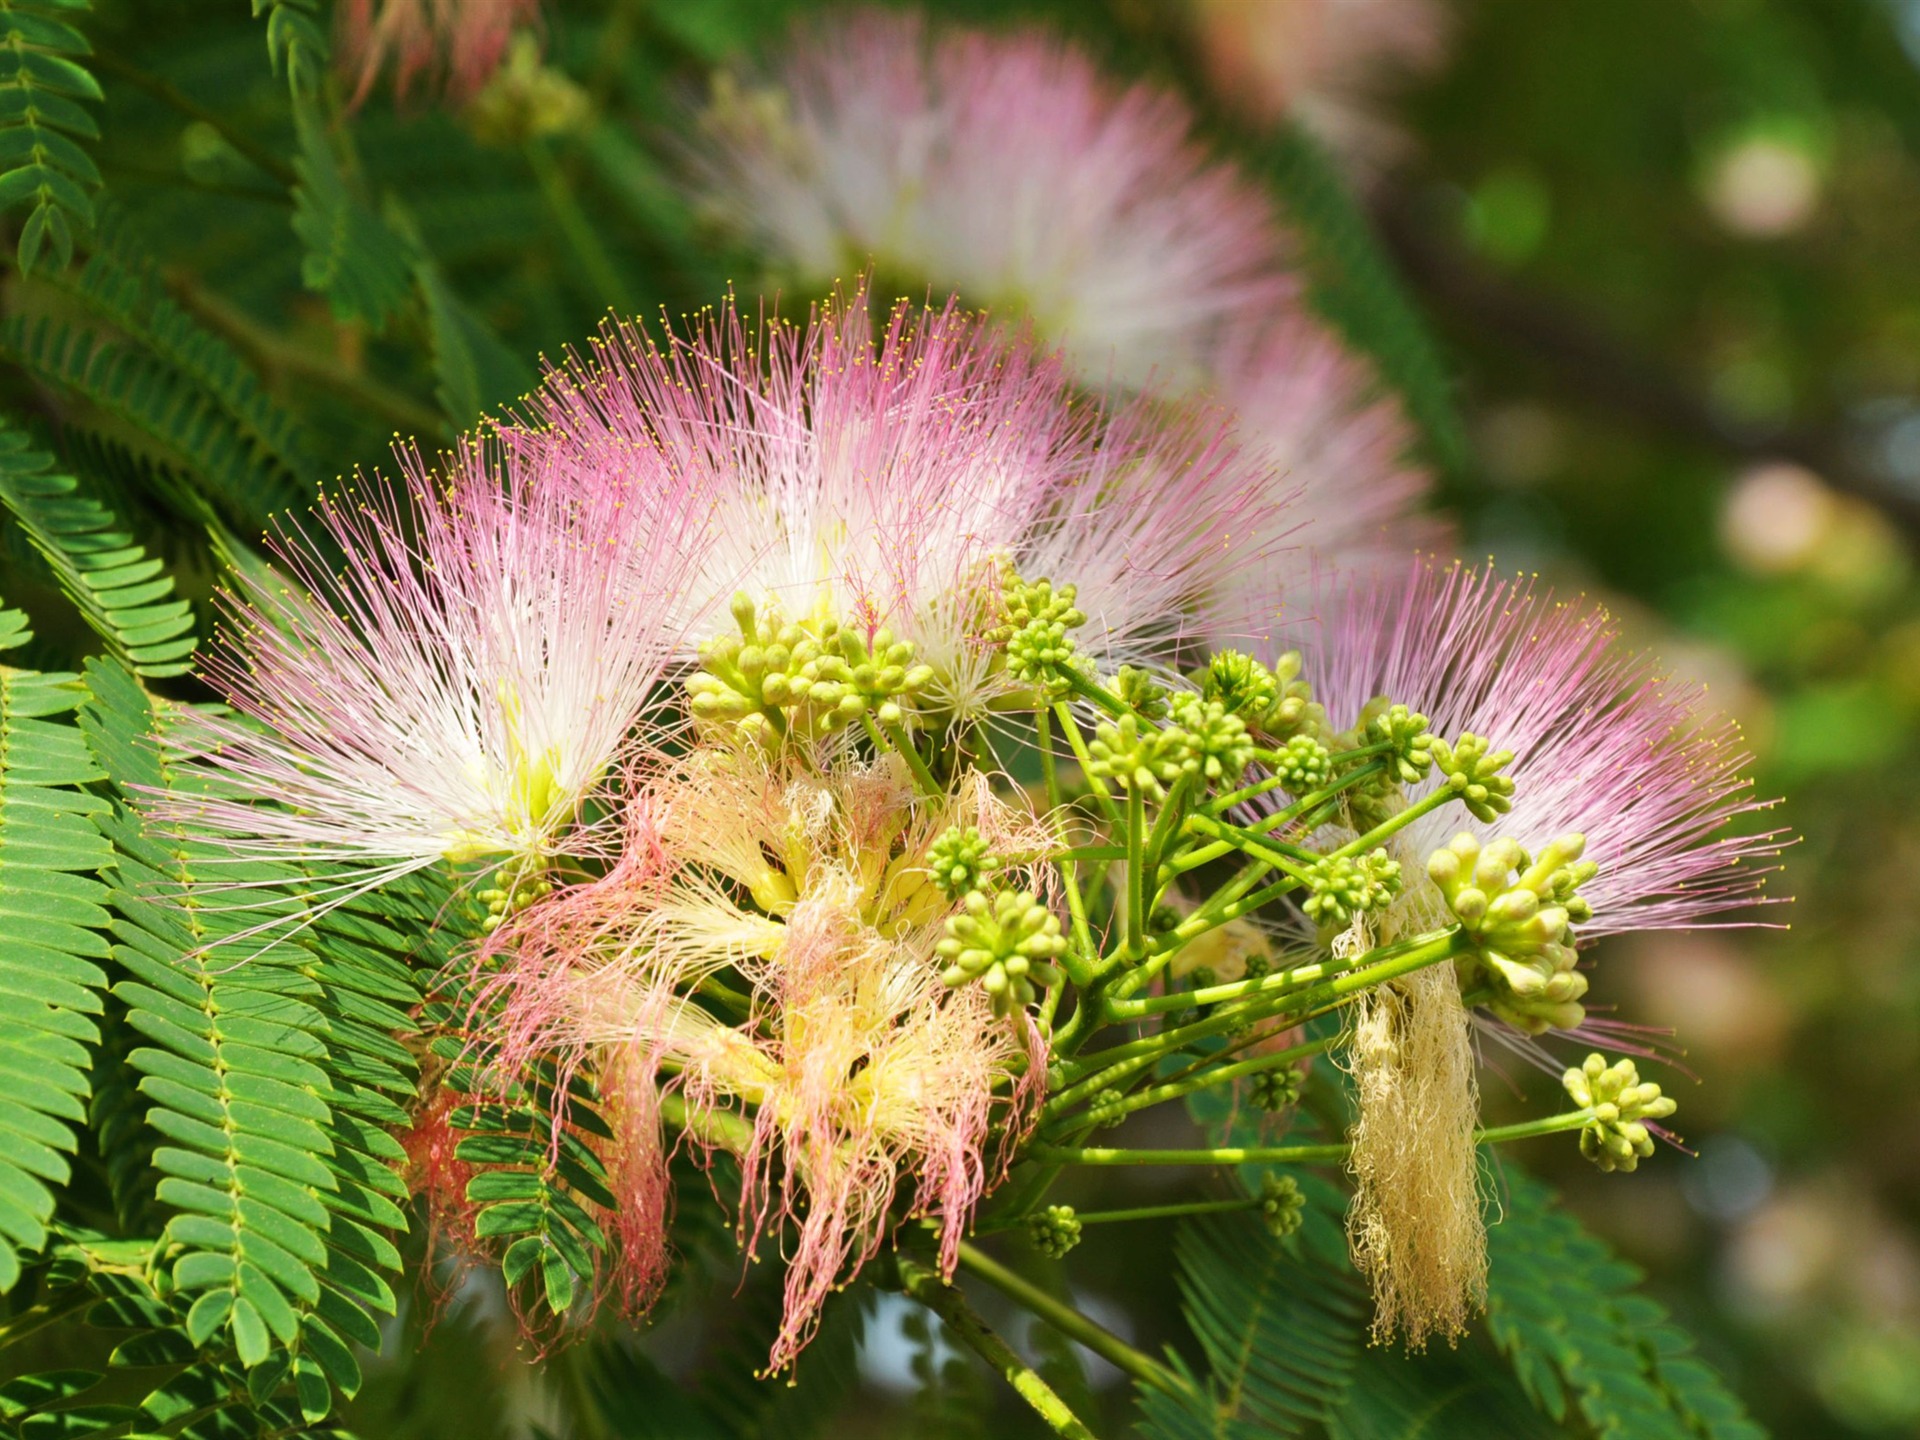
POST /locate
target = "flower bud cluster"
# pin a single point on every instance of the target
(1008, 941)
(958, 858)
(1137, 757)
(1472, 771)
(1141, 693)
(1282, 1206)
(1054, 1230)
(1034, 626)
(1221, 745)
(1304, 765)
(1616, 1138)
(1341, 887)
(1518, 911)
(1410, 747)
(1277, 1089)
(1275, 702)
(514, 888)
(814, 677)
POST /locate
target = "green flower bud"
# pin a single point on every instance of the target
(1107, 1109)
(1341, 887)
(1616, 1138)
(1276, 1089)
(1008, 941)
(1471, 771)
(1144, 695)
(1518, 911)
(1034, 626)
(1411, 755)
(958, 858)
(1305, 765)
(1221, 745)
(1054, 1230)
(1240, 683)
(1146, 760)
(1282, 1206)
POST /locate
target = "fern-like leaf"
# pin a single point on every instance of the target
(167, 409)
(43, 169)
(52, 911)
(271, 1074)
(1563, 1308)
(124, 594)
(352, 256)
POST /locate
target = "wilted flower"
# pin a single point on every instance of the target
(857, 1069)
(1008, 168)
(453, 685)
(457, 44)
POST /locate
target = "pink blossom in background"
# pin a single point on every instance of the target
(1329, 63)
(1007, 168)
(1605, 744)
(455, 45)
(1342, 445)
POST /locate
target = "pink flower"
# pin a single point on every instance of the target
(1327, 62)
(452, 665)
(1008, 168)
(1343, 446)
(884, 480)
(1605, 745)
(455, 43)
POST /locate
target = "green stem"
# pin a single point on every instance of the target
(1136, 873)
(895, 738)
(926, 1286)
(1078, 966)
(1121, 1010)
(1253, 845)
(1098, 694)
(1527, 1129)
(1097, 787)
(1218, 1155)
(1205, 1076)
(1069, 1321)
(1168, 1212)
(595, 263)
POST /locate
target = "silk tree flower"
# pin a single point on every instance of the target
(457, 44)
(1342, 446)
(859, 1075)
(1326, 62)
(1004, 167)
(453, 661)
(1605, 745)
(883, 480)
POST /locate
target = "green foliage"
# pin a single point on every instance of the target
(43, 169)
(352, 256)
(1582, 1342)
(296, 41)
(1454, 1394)
(271, 1076)
(1281, 1331)
(122, 592)
(52, 908)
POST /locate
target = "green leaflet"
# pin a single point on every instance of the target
(52, 910)
(124, 594)
(352, 256)
(43, 169)
(1582, 1342)
(271, 1072)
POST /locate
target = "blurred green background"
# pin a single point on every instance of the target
(1673, 250)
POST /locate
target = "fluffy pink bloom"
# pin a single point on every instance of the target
(884, 478)
(454, 43)
(855, 1076)
(1327, 62)
(1342, 445)
(455, 661)
(1605, 744)
(1008, 168)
